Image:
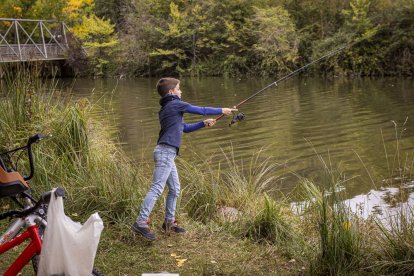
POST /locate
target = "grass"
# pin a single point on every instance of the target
(339, 248)
(274, 223)
(261, 236)
(395, 252)
(208, 250)
(232, 185)
(79, 156)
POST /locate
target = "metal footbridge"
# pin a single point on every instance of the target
(32, 40)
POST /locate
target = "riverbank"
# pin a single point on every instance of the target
(261, 235)
(203, 250)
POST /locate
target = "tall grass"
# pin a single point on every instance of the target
(246, 181)
(201, 190)
(339, 246)
(243, 189)
(232, 184)
(80, 156)
(396, 244)
(273, 222)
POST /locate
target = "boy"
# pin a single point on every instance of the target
(168, 145)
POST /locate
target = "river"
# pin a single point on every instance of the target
(362, 127)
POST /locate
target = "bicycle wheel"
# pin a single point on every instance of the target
(96, 272)
(36, 258)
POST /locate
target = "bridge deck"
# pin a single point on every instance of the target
(30, 40)
(14, 53)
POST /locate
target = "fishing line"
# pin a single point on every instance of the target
(241, 116)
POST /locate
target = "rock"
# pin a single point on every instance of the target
(228, 214)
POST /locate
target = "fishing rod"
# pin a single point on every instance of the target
(241, 116)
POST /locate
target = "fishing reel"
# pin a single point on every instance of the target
(237, 118)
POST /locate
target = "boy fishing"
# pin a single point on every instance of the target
(168, 146)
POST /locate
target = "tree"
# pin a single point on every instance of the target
(277, 39)
(363, 59)
(176, 41)
(16, 8)
(357, 18)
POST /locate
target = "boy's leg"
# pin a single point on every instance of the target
(173, 183)
(164, 161)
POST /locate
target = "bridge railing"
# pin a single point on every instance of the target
(29, 39)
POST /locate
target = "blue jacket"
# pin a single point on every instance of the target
(172, 122)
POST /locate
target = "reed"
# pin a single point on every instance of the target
(245, 182)
(394, 250)
(271, 221)
(396, 244)
(339, 240)
(80, 156)
(234, 196)
(230, 185)
(200, 190)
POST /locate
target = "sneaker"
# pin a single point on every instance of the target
(145, 232)
(172, 226)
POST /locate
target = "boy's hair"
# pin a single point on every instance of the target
(164, 85)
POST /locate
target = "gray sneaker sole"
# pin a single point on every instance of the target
(137, 231)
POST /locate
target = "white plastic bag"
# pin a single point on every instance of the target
(69, 248)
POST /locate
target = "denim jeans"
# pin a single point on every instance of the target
(165, 172)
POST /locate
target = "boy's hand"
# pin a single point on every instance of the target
(228, 111)
(209, 122)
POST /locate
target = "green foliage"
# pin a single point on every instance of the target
(234, 37)
(95, 33)
(11, 9)
(357, 18)
(43, 9)
(111, 9)
(278, 41)
(177, 38)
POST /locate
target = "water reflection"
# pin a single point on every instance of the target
(383, 203)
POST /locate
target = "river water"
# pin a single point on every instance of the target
(362, 127)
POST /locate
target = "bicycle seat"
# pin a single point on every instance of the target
(11, 183)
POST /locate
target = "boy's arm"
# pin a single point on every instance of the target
(193, 109)
(192, 127)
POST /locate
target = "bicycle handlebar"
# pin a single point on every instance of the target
(44, 198)
(32, 140)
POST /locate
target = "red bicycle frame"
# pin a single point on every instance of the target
(34, 248)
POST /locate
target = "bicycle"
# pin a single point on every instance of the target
(30, 219)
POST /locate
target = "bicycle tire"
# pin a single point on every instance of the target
(96, 272)
(36, 258)
(35, 263)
